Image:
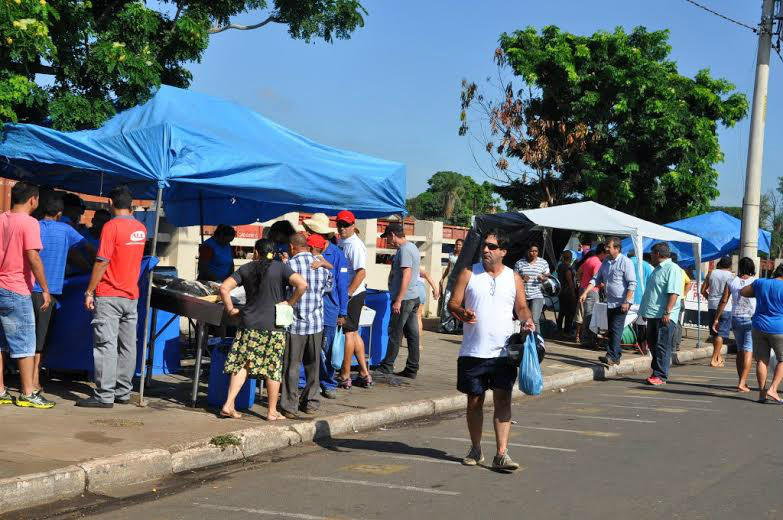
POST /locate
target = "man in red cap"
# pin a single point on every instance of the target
(356, 253)
(306, 332)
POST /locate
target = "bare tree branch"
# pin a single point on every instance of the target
(272, 19)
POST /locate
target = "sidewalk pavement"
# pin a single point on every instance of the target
(49, 455)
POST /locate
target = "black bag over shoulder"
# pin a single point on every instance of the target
(516, 348)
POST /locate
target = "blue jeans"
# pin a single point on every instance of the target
(616, 321)
(325, 371)
(328, 382)
(742, 333)
(17, 324)
(405, 323)
(536, 306)
(660, 339)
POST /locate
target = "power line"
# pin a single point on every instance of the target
(732, 20)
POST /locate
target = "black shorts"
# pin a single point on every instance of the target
(477, 375)
(43, 320)
(355, 305)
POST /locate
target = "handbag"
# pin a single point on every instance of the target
(531, 382)
(284, 315)
(338, 349)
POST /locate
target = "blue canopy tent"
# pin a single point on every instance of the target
(719, 232)
(204, 160)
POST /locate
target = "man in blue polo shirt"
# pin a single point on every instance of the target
(58, 239)
(335, 301)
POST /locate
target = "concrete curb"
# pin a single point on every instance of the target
(41, 488)
(137, 467)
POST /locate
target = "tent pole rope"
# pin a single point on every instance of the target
(145, 340)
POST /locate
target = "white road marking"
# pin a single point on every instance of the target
(623, 396)
(589, 433)
(516, 445)
(406, 457)
(706, 378)
(375, 484)
(604, 418)
(653, 408)
(284, 514)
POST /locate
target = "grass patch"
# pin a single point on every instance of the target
(225, 440)
(117, 423)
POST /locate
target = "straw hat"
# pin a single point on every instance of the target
(319, 223)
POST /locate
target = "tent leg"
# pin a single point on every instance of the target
(146, 336)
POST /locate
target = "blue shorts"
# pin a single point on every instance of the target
(421, 290)
(742, 333)
(17, 324)
(477, 375)
(724, 323)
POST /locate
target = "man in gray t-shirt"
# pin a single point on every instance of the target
(404, 302)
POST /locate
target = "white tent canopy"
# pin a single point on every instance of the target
(591, 217)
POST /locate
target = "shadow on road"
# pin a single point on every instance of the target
(388, 447)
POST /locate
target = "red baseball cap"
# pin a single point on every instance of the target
(346, 216)
(316, 240)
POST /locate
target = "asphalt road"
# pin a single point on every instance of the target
(692, 449)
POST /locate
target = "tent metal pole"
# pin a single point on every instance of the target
(201, 217)
(145, 340)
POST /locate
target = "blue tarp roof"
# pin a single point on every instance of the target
(211, 156)
(719, 232)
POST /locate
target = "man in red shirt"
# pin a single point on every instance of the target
(20, 267)
(113, 295)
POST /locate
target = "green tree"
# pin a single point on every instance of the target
(96, 56)
(605, 117)
(452, 198)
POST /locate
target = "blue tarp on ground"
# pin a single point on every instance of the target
(211, 156)
(719, 232)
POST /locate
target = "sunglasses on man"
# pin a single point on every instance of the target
(491, 247)
(343, 224)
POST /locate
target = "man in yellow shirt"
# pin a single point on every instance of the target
(686, 284)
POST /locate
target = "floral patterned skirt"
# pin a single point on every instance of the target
(261, 351)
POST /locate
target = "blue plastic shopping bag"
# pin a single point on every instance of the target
(530, 380)
(338, 349)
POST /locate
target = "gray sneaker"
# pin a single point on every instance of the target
(473, 457)
(504, 463)
(34, 401)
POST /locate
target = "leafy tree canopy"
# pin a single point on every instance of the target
(605, 117)
(452, 198)
(75, 62)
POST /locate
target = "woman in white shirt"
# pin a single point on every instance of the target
(742, 310)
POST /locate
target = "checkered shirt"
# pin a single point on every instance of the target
(309, 310)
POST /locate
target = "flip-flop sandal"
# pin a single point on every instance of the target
(235, 415)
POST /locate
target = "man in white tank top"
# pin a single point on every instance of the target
(490, 293)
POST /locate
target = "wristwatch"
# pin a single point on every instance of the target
(88, 293)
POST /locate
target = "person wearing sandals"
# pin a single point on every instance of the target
(258, 348)
(767, 331)
(356, 253)
(742, 310)
(712, 290)
(485, 298)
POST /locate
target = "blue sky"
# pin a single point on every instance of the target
(392, 90)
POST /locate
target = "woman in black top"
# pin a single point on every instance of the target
(566, 276)
(259, 345)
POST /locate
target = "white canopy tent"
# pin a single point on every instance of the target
(591, 217)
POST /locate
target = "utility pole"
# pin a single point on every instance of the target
(752, 199)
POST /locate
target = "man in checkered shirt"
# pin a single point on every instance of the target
(306, 332)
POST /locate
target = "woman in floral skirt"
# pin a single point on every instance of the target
(259, 344)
